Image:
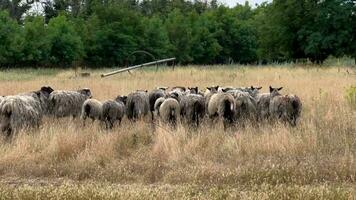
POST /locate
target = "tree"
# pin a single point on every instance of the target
(155, 38)
(114, 33)
(11, 40)
(65, 44)
(36, 45)
(16, 8)
(180, 34)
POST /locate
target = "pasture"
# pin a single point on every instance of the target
(315, 160)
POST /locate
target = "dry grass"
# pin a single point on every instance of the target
(315, 160)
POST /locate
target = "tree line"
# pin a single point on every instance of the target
(103, 33)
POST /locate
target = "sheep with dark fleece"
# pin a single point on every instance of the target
(153, 96)
(64, 103)
(192, 108)
(18, 112)
(263, 102)
(114, 111)
(222, 105)
(286, 108)
(137, 105)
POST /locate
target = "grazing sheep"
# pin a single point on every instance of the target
(263, 102)
(65, 103)
(137, 105)
(113, 111)
(287, 108)
(170, 111)
(18, 112)
(192, 108)
(93, 109)
(42, 96)
(222, 105)
(153, 96)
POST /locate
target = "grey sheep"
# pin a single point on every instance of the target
(287, 108)
(64, 103)
(263, 102)
(114, 111)
(42, 96)
(222, 105)
(92, 109)
(18, 112)
(245, 105)
(137, 105)
(170, 111)
(153, 96)
(192, 108)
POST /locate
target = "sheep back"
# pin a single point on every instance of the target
(137, 105)
(92, 108)
(19, 112)
(66, 103)
(170, 111)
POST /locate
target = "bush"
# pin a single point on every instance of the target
(351, 96)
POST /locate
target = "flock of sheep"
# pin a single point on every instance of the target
(177, 104)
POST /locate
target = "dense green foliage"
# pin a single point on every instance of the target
(105, 33)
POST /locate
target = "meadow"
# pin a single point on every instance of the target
(63, 159)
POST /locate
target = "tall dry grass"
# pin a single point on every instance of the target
(318, 154)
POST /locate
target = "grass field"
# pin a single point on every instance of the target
(315, 160)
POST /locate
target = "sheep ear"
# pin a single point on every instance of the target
(259, 88)
(280, 88)
(209, 88)
(270, 89)
(47, 89)
(224, 90)
(216, 87)
(252, 87)
(124, 99)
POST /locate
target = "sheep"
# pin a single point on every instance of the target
(158, 104)
(263, 102)
(192, 90)
(287, 108)
(93, 109)
(170, 111)
(1, 98)
(18, 112)
(113, 111)
(222, 105)
(42, 96)
(208, 93)
(153, 96)
(192, 108)
(137, 105)
(245, 105)
(65, 103)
